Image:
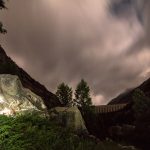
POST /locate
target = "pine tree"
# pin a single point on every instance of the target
(82, 96)
(64, 93)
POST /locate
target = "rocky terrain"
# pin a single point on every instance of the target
(126, 97)
(19, 92)
(15, 98)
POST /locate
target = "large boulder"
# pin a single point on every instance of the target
(69, 117)
(15, 98)
(8, 66)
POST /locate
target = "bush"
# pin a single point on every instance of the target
(32, 132)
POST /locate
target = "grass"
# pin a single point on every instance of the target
(32, 132)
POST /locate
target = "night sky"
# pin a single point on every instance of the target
(106, 42)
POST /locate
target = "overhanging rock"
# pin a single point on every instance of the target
(15, 98)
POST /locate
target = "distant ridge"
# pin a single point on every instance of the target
(126, 97)
(8, 66)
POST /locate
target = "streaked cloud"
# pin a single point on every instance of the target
(73, 39)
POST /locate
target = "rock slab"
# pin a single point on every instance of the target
(69, 117)
(15, 98)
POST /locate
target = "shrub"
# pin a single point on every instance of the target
(32, 132)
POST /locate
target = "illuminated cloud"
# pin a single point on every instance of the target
(98, 99)
(73, 39)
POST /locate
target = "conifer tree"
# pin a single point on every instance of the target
(82, 96)
(64, 93)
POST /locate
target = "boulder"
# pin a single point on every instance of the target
(8, 66)
(15, 98)
(69, 117)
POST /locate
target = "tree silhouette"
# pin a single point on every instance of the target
(82, 96)
(64, 93)
(2, 6)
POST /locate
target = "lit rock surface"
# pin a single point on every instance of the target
(69, 117)
(8, 66)
(15, 98)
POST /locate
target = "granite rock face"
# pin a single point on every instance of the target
(8, 66)
(69, 117)
(15, 98)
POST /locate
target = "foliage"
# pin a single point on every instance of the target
(82, 96)
(64, 93)
(2, 6)
(141, 103)
(32, 132)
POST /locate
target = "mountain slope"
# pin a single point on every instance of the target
(8, 66)
(126, 97)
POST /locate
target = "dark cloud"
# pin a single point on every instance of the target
(122, 8)
(66, 41)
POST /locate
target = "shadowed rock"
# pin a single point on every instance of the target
(69, 117)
